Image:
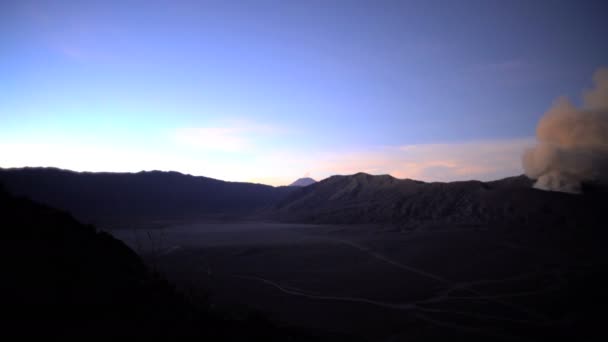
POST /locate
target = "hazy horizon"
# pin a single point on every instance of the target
(275, 185)
(271, 91)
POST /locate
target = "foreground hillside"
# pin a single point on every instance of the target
(62, 278)
(120, 197)
(363, 198)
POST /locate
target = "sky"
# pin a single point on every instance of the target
(270, 91)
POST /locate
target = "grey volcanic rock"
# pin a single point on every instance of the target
(363, 198)
(306, 181)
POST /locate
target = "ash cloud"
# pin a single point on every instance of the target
(572, 146)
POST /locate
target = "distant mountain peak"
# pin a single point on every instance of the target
(306, 181)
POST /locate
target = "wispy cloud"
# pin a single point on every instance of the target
(231, 136)
(483, 160)
(73, 34)
(213, 138)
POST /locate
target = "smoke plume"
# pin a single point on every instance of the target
(572, 142)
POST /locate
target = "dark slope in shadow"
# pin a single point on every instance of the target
(363, 198)
(119, 197)
(63, 278)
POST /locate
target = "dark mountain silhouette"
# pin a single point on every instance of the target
(119, 197)
(61, 278)
(359, 198)
(306, 181)
(363, 198)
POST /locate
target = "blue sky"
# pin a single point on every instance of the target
(269, 91)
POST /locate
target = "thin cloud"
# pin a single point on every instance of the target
(232, 136)
(72, 34)
(213, 138)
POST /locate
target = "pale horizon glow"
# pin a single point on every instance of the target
(482, 160)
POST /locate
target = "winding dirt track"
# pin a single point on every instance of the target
(417, 308)
(468, 286)
(418, 311)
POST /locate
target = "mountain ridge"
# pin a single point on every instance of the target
(347, 199)
(305, 181)
(363, 198)
(99, 197)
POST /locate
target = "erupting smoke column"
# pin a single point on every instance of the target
(572, 142)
